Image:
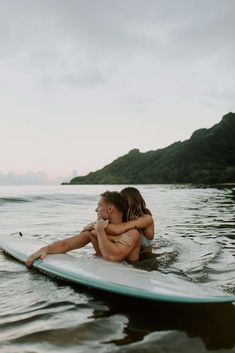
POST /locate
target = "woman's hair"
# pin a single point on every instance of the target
(134, 203)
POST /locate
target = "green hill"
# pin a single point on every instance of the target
(207, 157)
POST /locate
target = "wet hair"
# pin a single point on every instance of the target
(114, 198)
(134, 203)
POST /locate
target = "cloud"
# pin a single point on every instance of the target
(89, 79)
(68, 36)
(96, 43)
(74, 71)
(29, 178)
(92, 43)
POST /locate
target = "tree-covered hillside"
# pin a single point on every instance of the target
(207, 157)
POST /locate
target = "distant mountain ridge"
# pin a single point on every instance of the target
(207, 157)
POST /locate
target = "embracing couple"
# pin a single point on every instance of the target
(123, 231)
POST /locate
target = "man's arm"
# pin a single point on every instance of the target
(60, 246)
(115, 251)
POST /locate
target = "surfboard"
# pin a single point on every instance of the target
(119, 278)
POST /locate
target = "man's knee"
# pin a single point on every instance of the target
(85, 236)
(88, 235)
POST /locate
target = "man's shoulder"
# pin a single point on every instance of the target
(134, 233)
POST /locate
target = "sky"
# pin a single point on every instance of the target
(83, 82)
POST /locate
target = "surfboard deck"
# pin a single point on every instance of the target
(119, 278)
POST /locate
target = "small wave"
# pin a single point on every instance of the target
(51, 199)
(34, 198)
(4, 200)
(76, 331)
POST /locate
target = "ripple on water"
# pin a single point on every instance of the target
(194, 240)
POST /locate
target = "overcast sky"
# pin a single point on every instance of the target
(84, 82)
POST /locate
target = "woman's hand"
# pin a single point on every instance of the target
(94, 233)
(89, 226)
(40, 254)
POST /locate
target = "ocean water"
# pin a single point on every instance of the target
(194, 238)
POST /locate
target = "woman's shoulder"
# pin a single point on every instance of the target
(148, 212)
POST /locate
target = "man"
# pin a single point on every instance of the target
(110, 208)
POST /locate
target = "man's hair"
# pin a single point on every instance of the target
(114, 198)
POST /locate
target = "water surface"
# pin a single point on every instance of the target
(195, 239)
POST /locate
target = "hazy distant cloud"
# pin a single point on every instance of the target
(29, 178)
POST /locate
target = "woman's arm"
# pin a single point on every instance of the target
(113, 238)
(139, 223)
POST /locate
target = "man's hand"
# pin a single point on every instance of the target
(40, 254)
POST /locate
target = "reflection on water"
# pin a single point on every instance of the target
(195, 238)
(213, 324)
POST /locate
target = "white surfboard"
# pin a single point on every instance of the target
(119, 278)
